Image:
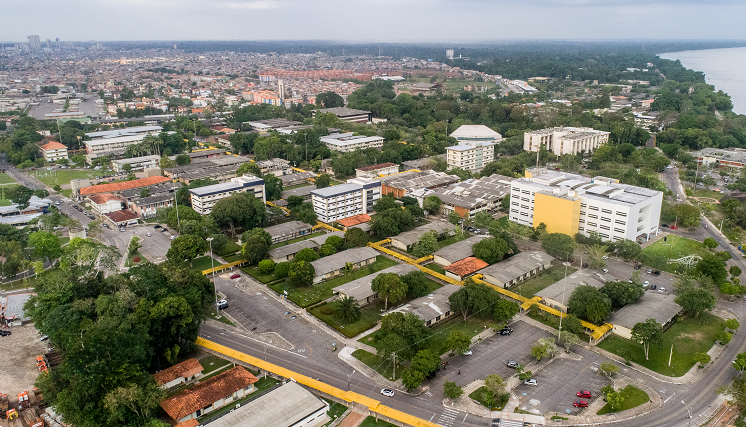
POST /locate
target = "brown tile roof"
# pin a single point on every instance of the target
(186, 368)
(121, 186)
(52, 145)
(466, 266)
(121, 216)
(354, 220)
(188, 423)
(102, 198)
(207, 392)
(376, 167)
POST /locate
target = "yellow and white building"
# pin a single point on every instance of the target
(565, 140)
(570, 204)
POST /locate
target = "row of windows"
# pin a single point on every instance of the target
(606, 211)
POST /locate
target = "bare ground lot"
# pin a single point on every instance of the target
(18, 359)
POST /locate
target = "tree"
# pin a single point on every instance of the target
(301, 273)
(355, 237)
(183, 159)
(615, 400)
(391, 344)
(185, 248)
(589, 303)
(732, 324)
(495, 384)
(266, 266)
(330, 99)
(568, 339)
(647, 332)
(701, 358)
(623, 293)
(410, 328)
(347, 310)
(272, 187)
(608, 369)
(282, 269)
(389, 287)
(457, 342)
(427, 244)
(492, 250)
(385, 203)
(249, 167)
(306, 254)
(710, 243)
(451, 390)
(696, 300)
(323, 181)
(412, 379)
(596, 254)
(734, 271)
(426, 361)
(549, 345)
(572, 324)
(335, 241)
(558, 245)
(254, 249)
(46, 245)
(505, 310)
(432, 204)
(294, 202)
(474, 298)
(723, 337)
(326, 250)
(627, 249)
(454, 218)
(713, 266)
(538, 351)
(19, 195)
(687, 214)
(134, 245)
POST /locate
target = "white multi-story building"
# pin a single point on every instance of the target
(565, 140)
(204, 198)
(136, 163)
(337, 202)
(53, 151)
(345, 142)
(470, 155)
(115, 142)
(569, 203)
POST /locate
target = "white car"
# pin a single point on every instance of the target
(531, 382)
(645, 284)
(467, 353)
(605, 270)
(173, 237)
(387, 392)
(148, 234)
(661, 289)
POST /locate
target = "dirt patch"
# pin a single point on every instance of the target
(18, 364)
(697, 336)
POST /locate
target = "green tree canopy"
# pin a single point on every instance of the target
(389, 287)
(648, 332)
(589, 303)
(622, 293)
(185, 248)
(301, 273)
(558, 245)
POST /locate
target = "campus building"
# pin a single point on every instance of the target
(347, 114)
(565, 140)
(569, 203)
(469, 197)
(53, 151)
(136, 163)
(337, 202)
(470, 155)
(346, 142)
(722, 158)
(204, 198)
(469, 133)
(115, 142)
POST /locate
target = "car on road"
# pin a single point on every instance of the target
(163, 229)
(467, 353)
(656, 273)
(580, 404)
(584, 393)
(4, 333)
(664, 225)
(673, 227)
(650, 272)
(222, 304)
(653, 287)
(531, 382)
(122, 230)
(645, 284)
(387, 392)
(605, 270)
(57, 203)
(235, 276)
(149, 234)
(513, 364)
(505, 331)
(157, 226)
(105, 225)
(662, 290)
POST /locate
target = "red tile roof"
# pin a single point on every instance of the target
(207, 392)
(53, 145)
(121, 186)
(376, 167)
(121, 216)
(184, 369)
(354, 220)
(102, 198)
(466, 266)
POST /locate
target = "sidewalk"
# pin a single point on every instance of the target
(346, 355)
(465, 404)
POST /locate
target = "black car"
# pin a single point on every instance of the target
(656, 273)
(505, 331)
(157, 226)
(664, 225)
(653, 287)
(4, 333)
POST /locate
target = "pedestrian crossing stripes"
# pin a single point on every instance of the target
(496, 422)
(447, 417)
(427, 393)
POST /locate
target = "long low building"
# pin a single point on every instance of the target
(360, 289)
(204, 198)
(287, 252)
(346, 142)
(565, 140)
(117, 187)
(517, 268)
(332, 266)
(457, 251)
(432, 308)
(136, 163)
(288, 231)
(401, 184)
(405, 240)
(557, 294)
(469, 197)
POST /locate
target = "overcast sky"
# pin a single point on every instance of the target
(376, 20)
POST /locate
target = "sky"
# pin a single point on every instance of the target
(371, 21)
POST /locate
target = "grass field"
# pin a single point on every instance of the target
(254, 272)
(633, 397)
(66, 192)
(212, 363)
(439, 333)
(451, 240)
(309, 295)
(688, 336)
(230, 247)
(62, 177)
(383, 367)
(658, 254)
(335, 411)
(204, 263)
(530, 287)
(3, 190)
(6, 179)
(479, 394)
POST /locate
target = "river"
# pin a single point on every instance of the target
(724, 68)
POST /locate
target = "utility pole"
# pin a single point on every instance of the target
(176, 202)
(212, 260)
(564, 285)
(394, 366)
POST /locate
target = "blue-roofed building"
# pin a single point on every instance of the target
(337, 202)
(204, 198)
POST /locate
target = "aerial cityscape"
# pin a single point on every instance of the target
(210, 220)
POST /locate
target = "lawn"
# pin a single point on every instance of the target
(383, 367)
(371, 422)
(66, 192)
(658, 254)
(256, 274)
(233, 258)
(3, 190)
(436, 268)
(297, 239)
(451, 240)
(261, 385)
(204, 263)
(633, 397)
(478, 396)
(688, 336)
(130, 259)
(309, 295)
(230, 247)
(211, 363)
(551, 275)
(335, 411)
(212, 314)
(62, 177)
(6, 179)
(371, 314)
(701, 192)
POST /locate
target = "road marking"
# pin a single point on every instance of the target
(464, 420)
(664, 402)
(431, 418)
(263, 343)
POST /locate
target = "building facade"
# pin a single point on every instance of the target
(136, 163)
(568, 203)
(53, 151)
(470, 155)
(374, 171)
(204, 198)
(721, 158)
(346, 142)
(337, 202)
(347, 114)
(565, 140)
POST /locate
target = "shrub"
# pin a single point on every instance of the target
(326, 310)
(282, 269)
(266, 266)
(136, 259)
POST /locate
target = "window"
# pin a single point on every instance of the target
(525, 191)
(591, 224)
(606, 211)
(605, 236)
(514, 203)
(620, 222)
(580, 228)
(593, 208)
(593, 216)
(524, 207)
(581, 221)
(606, 219)
(514, 210)
(619, 230)
(524, 213)
(621, 213)
(605, 227)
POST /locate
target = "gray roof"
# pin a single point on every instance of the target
(410, 181)
(652, 305)
(460, 250)
(213, 152)
(413, 236)
(298, 176)
(582, 277)
(228, 160)
(291, 227)
(337, 261)
(283, 407)
(430, 306)
(517, 265)
(475, 192)
(243, 182)
(420, 163)
(300, 191)
(335, 190)
(732, 154)
(292, 248)
(360, 288)
(13, 306)
(320, 240)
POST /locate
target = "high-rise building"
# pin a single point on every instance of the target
(449, 53)
(34, 43)
(49, 44)
(565, 140)
(57, 43)
(281, 89)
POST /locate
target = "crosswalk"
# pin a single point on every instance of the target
(496, 422)
(447, 417)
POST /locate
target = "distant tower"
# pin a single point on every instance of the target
(57, 43)
(281, 90)
(49, 44)
(449, 54)
(34, 43)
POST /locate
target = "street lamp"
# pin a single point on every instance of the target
(348, 379)
(212, 261)
(687, 410)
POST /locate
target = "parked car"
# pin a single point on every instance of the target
(105, 225)
(157, 226)
(505, 331)
(673, 227)
(4, 333)
(653, 287)
(645, 284)
(148, 234)
(584, 393)
(664, 225)
(605, 270)
(531, 382)
(235, 276)
(122, 230)
(173, 237)
(467, 353)
(656, 272)
(662, 290)
(222, 304)
(513, 364)
(650, 271)
(163, 229)
(580, 404)
(387, 392)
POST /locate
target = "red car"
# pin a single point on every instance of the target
(235, 276)
(673, 227)
(580, 404)
(584, 393)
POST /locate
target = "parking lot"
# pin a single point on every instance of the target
(623, 271)
(18, 369)
(155, 246)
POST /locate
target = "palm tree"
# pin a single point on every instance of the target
(347, 310)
